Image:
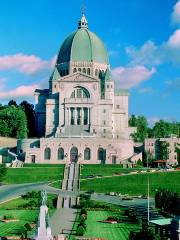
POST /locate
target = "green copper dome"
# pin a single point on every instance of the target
(83, 46)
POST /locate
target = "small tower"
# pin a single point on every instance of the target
(109, 85)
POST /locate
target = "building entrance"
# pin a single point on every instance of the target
(74, 155)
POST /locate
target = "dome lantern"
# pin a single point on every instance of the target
(83, 23)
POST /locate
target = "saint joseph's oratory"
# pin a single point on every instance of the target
(82, 117)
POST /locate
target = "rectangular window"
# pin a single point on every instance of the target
(117, 106)
(104, 111)
(104, 130)
(104, 122)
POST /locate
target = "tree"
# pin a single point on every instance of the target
(168, 201)
(28, 228)
(80, 231)
(13, 122)
(12, 103)
(142, 128)
(3, 172)
(30, 115)
(178, 153)
(144, 234)
(162, 129)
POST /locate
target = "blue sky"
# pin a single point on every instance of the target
(142, 37)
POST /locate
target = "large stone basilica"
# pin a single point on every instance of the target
(82, 117)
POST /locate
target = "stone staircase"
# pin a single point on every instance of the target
(70, 183)
(74, 131)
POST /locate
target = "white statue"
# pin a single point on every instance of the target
(44, 230)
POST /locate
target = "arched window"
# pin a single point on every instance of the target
(74, 70)
(87, 154)
(80, 92)
(96, 72)
(84, 70)
(79, 69)
(88, 71)
(60, 154)
(47, 154)
(101, 154)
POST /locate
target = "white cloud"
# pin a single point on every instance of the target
(176, 13)
(174, 40)
(128, 77)
(27, 64)
(19, 92)
(147, 54)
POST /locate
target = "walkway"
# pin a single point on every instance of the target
(140, 205)
(62, 221)
(64, 217)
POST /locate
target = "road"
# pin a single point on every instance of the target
(8, 192)
(140, 205)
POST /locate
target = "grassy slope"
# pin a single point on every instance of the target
(104, 170)
(34, 174)
(104, 230)
(134, 184)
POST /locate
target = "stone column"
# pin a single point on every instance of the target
(82, 120)
(69, 116)
(88, 116)
(75, 116)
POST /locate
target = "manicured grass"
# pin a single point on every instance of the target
(34, 174)
(14, 228)
(15, 208)
(56, 184)
(134, 184)
(95, 228)
(104, 170)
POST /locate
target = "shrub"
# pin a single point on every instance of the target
(80, 230)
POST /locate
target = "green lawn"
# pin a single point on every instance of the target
(14, 228)
(105, 230)
(15, 208)
(134, 184)
(104, 170)
(56, 184)
(34, 174)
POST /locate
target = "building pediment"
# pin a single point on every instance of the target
(78, 77)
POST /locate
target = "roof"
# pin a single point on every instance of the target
(160, 161)
(121, 92)
(83, 45)
(162, 222)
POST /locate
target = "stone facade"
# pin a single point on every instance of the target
(82, 117)
(152, 146)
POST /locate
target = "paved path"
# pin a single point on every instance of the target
(62, 221)
(8, 192)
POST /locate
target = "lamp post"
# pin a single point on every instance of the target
(148, 190)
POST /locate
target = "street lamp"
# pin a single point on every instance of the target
(148, 189)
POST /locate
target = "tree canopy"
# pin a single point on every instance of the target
(161, 129)
(17, 121)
